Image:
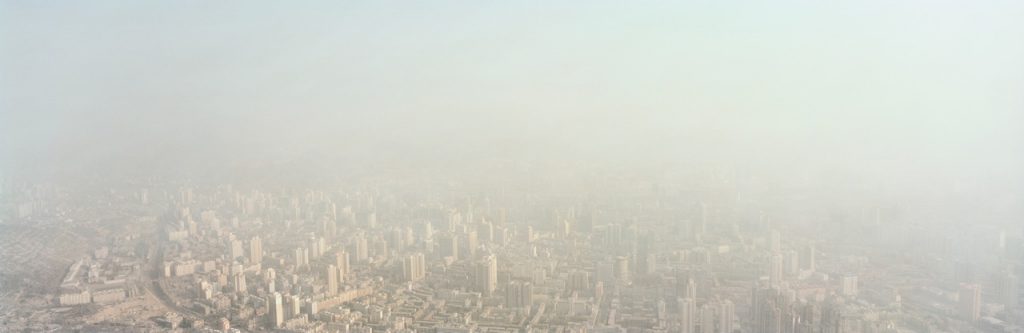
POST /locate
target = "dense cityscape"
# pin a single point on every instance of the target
(563, 166)
(616, 253)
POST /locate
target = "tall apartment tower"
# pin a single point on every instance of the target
(256, 249)
(332, 280)
(691, 289)
(970, 302)
(449, 246)
(775, 270)
(414, 267)
(622, 268)
(236, 249)
(486, 275)
(687, 315)
(707, 318)
(277, 311)
(361, 249)
(807, 257)
(1006, 285)
(341, 260)
(519, 295)
(239, 281)
(471, 243)
(726, 314)
(579, 281)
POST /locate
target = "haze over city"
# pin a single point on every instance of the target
(566, 166)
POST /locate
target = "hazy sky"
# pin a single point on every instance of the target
(918, 86)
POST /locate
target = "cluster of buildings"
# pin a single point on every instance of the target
(389, 259)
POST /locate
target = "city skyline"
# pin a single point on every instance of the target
(512, 167)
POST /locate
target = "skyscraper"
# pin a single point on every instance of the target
(807, 258)
(774, 241)
(970, 301)
(1007, 284)
(687, 315)
(471, 243)
(622, 268)
(691, 289)
(485, 230)
(239, 280)
(236, 249)
(276, 310)
(341, 261)
(414, 267)
(519, 295)
(849, 285)
(301, 257)
(579, 281)
(486, 274)
(449, 246)
(256, 249)
(332, 280)
(726, 314)
(775, 270)
(361, 249)
(707, 318)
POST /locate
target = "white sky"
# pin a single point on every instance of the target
(912, 87)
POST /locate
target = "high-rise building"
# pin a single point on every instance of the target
(239, 282)
(579, 281)
(276, 310)
(371, 220)
(314, 246)
(586, 221)
(380, 248)
(471, 243)
(687, 315)
(396, 239)
(485, 230)
(849, 285)
(293, 306)
(341, 260)
(791, 262)
(774, 241)
(332, 280)
(428, 230)
(810, 315)
(449, 246)
(256, 249)
(361, 250)
(503, 215)
(807, 258)
(691, 289)
(1006, 285)
(519, 295)
(767, 306)
(726, 314)
(486, 274)
(414, 267)
(702, 226)
(707, 318)
(647, 264)
(613, 236)
(831, 317)
(621, 268)
(775, 270)
(236, 249)
(970, 301)
(301, 257)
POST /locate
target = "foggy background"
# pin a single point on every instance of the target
(916, 96)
